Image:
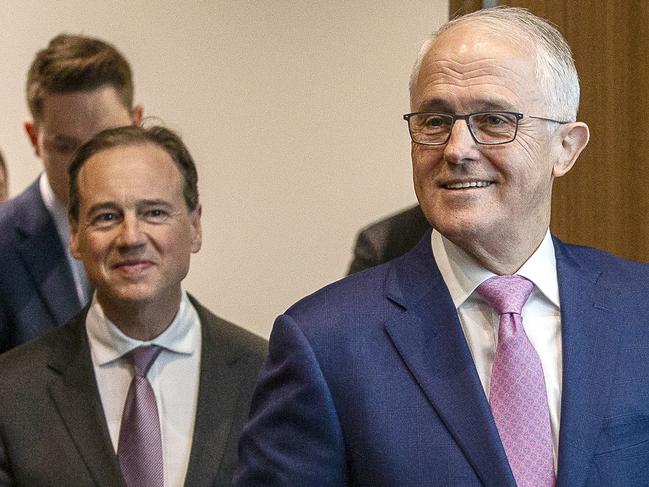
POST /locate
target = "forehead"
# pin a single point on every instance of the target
(126, 174)
(468, 66)
(80, 112)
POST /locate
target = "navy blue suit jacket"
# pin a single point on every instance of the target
(370, 382)
(37, 290)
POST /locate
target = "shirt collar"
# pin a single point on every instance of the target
(109, 343)
(57, 211)
(463, 274)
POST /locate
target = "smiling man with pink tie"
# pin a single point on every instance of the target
(492, 353)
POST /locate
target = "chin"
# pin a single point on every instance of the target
(463, 230)
(133, 294)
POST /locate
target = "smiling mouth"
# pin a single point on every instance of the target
(468, 184)
(132, 267)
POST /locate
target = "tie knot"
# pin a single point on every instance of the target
(506, 294)
(142, 358)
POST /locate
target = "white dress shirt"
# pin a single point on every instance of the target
(174, 377)
(541, 314)
(59, 214)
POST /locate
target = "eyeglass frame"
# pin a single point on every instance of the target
(519, 116)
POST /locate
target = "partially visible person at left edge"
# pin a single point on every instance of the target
(145, 387)
(4, 179)
(76, 87)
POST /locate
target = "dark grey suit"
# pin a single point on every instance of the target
(388, 238)
(52, 426)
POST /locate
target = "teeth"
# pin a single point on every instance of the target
(471, 184)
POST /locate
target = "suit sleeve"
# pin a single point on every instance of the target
(293, 436)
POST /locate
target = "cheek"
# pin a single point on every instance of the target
(176, 242)
(93, 249)
(423, 161)
(533, 156)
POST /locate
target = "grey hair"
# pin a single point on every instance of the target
(555, 67)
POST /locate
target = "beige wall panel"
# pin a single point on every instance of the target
(292, 110)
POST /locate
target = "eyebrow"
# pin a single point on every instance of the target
(109, 205)
(435, 105)
(104, 205)
(153, 202)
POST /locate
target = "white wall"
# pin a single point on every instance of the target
(292, 110)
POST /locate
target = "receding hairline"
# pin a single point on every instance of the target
(131, 144)
(127, 144)
(555, 68)
(526, 50)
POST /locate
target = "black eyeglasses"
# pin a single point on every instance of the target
(487, 128)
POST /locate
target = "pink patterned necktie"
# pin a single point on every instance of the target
(139, 450)
(518, 397)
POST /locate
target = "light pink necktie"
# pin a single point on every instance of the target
(518, 397)
(139, 450)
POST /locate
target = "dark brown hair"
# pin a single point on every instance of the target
(72, 63)
(130, 135)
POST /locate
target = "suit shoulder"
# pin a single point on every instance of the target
(16, 206)
(28, 363)
(23, 357)
(356, 299)
(606, 260)
(241, 338)
(9, 212)
(624, 274)
(409, 220)
(18, 211)
(388, 238)
(232, 336)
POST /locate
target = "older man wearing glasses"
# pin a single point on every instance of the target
(492, 353)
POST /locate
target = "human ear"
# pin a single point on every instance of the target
(197, 234)
(136, 115)
(73, 241)
(573, 138)
(32, 133)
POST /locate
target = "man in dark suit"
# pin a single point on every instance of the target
(76, 87)
(388, 238)
(68, 414)
(492, 353)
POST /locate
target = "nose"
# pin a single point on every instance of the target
(461, 147)
(131, 234)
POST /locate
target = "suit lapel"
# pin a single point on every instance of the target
(77, 400)
(428, 335)
(590, 345)
(217, 399)
(44, 256)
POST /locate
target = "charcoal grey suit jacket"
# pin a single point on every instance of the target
(52, 427)
(388, 238)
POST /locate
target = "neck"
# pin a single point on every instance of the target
(506, 255)
(141, 321)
